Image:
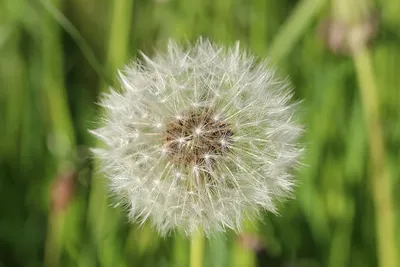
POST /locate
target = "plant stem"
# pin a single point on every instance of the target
(381, 185)
(354, 14)
(103, 219)
(197, 249)
(295, 25)
(60, 124)
(73, 32)
(118, 45)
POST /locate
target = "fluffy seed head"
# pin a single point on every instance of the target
(199, 138)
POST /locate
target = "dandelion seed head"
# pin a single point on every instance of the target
(199, 138)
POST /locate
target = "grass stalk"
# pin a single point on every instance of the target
(78, 38)
(292, 29)
(118, 44)
(60, 123)
(103, 219)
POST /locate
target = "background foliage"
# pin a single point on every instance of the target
(56, 56)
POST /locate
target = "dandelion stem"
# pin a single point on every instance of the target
(197, 249)
(354, 14)
(382, 192)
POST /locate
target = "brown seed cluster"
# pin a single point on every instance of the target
(197, 138)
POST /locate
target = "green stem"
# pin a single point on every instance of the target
(104, 220)
(87, 52)
(381, 185)
(118, 44)
(354, 14)
(60, 124)
(243, 256)
(295, 25)
(197, 249)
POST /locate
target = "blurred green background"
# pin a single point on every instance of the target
(343, 58)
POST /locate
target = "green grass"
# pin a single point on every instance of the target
(56, 57)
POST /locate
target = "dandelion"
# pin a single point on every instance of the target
(199, 138)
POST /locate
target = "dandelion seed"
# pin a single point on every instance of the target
(199, 138)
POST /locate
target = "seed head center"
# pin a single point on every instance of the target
(197, 138)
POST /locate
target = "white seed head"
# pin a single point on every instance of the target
(199, 138)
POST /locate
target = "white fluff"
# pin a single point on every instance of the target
(251, 176)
